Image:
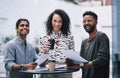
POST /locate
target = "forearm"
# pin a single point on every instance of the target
(101, 59)
(16, 67)
(30, 66)
(87, 65)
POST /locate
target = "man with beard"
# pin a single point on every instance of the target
(19, 53)
(95, 49)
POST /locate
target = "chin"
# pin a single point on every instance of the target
(89, 32)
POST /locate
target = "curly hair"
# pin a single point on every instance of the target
(65, 29)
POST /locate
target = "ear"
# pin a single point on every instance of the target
(96, 22)
(16, 30)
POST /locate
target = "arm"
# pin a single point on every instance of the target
(44, 45)
(71, 44)
(10, 59)
(103, 55)
(90, 63)
(29, 66)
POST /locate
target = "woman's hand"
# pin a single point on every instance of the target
(46, 47)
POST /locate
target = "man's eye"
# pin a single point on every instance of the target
(22, 25)
(27, 25)
(87, 21)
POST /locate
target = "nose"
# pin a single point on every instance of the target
(56, 23)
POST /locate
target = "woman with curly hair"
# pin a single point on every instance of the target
(58, 28)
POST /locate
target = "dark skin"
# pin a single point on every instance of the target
(70, 64)
(89, 24)
(43, 64)
(22, 32)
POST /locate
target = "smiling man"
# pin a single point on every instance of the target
(95, 49)
(19, 54)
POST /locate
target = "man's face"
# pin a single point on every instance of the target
(23, 29)
(89, 23)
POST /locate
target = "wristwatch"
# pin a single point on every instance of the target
(22, 67)
(81, 64)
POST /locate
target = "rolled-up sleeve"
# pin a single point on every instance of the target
(9, 57)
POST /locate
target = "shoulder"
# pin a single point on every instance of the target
(11, 43)
(46, 36)
(85, 40)
(70, 36)
(43, 38)
(102, 38)
(102, 35)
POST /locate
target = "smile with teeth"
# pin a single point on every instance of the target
(24, 32)
(56, 27)
(87, 27)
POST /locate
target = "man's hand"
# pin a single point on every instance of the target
(30, 66)
(43, 64)
(74, 67)
(71, 65)
(69, 62)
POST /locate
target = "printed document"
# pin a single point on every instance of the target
(42, 58)
(74, 56)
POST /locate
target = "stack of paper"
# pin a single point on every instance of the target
(74, 56)
(42, 58)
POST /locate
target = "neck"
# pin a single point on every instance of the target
(22, 37)
(93, 34)
(58, 34)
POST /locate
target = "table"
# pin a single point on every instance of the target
(44, 71)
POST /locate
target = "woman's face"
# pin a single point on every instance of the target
(56, 23)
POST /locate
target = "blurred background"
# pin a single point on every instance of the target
(37, 11)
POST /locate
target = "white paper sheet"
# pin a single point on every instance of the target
(59, 66)
(42, 58)
(74, 56)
